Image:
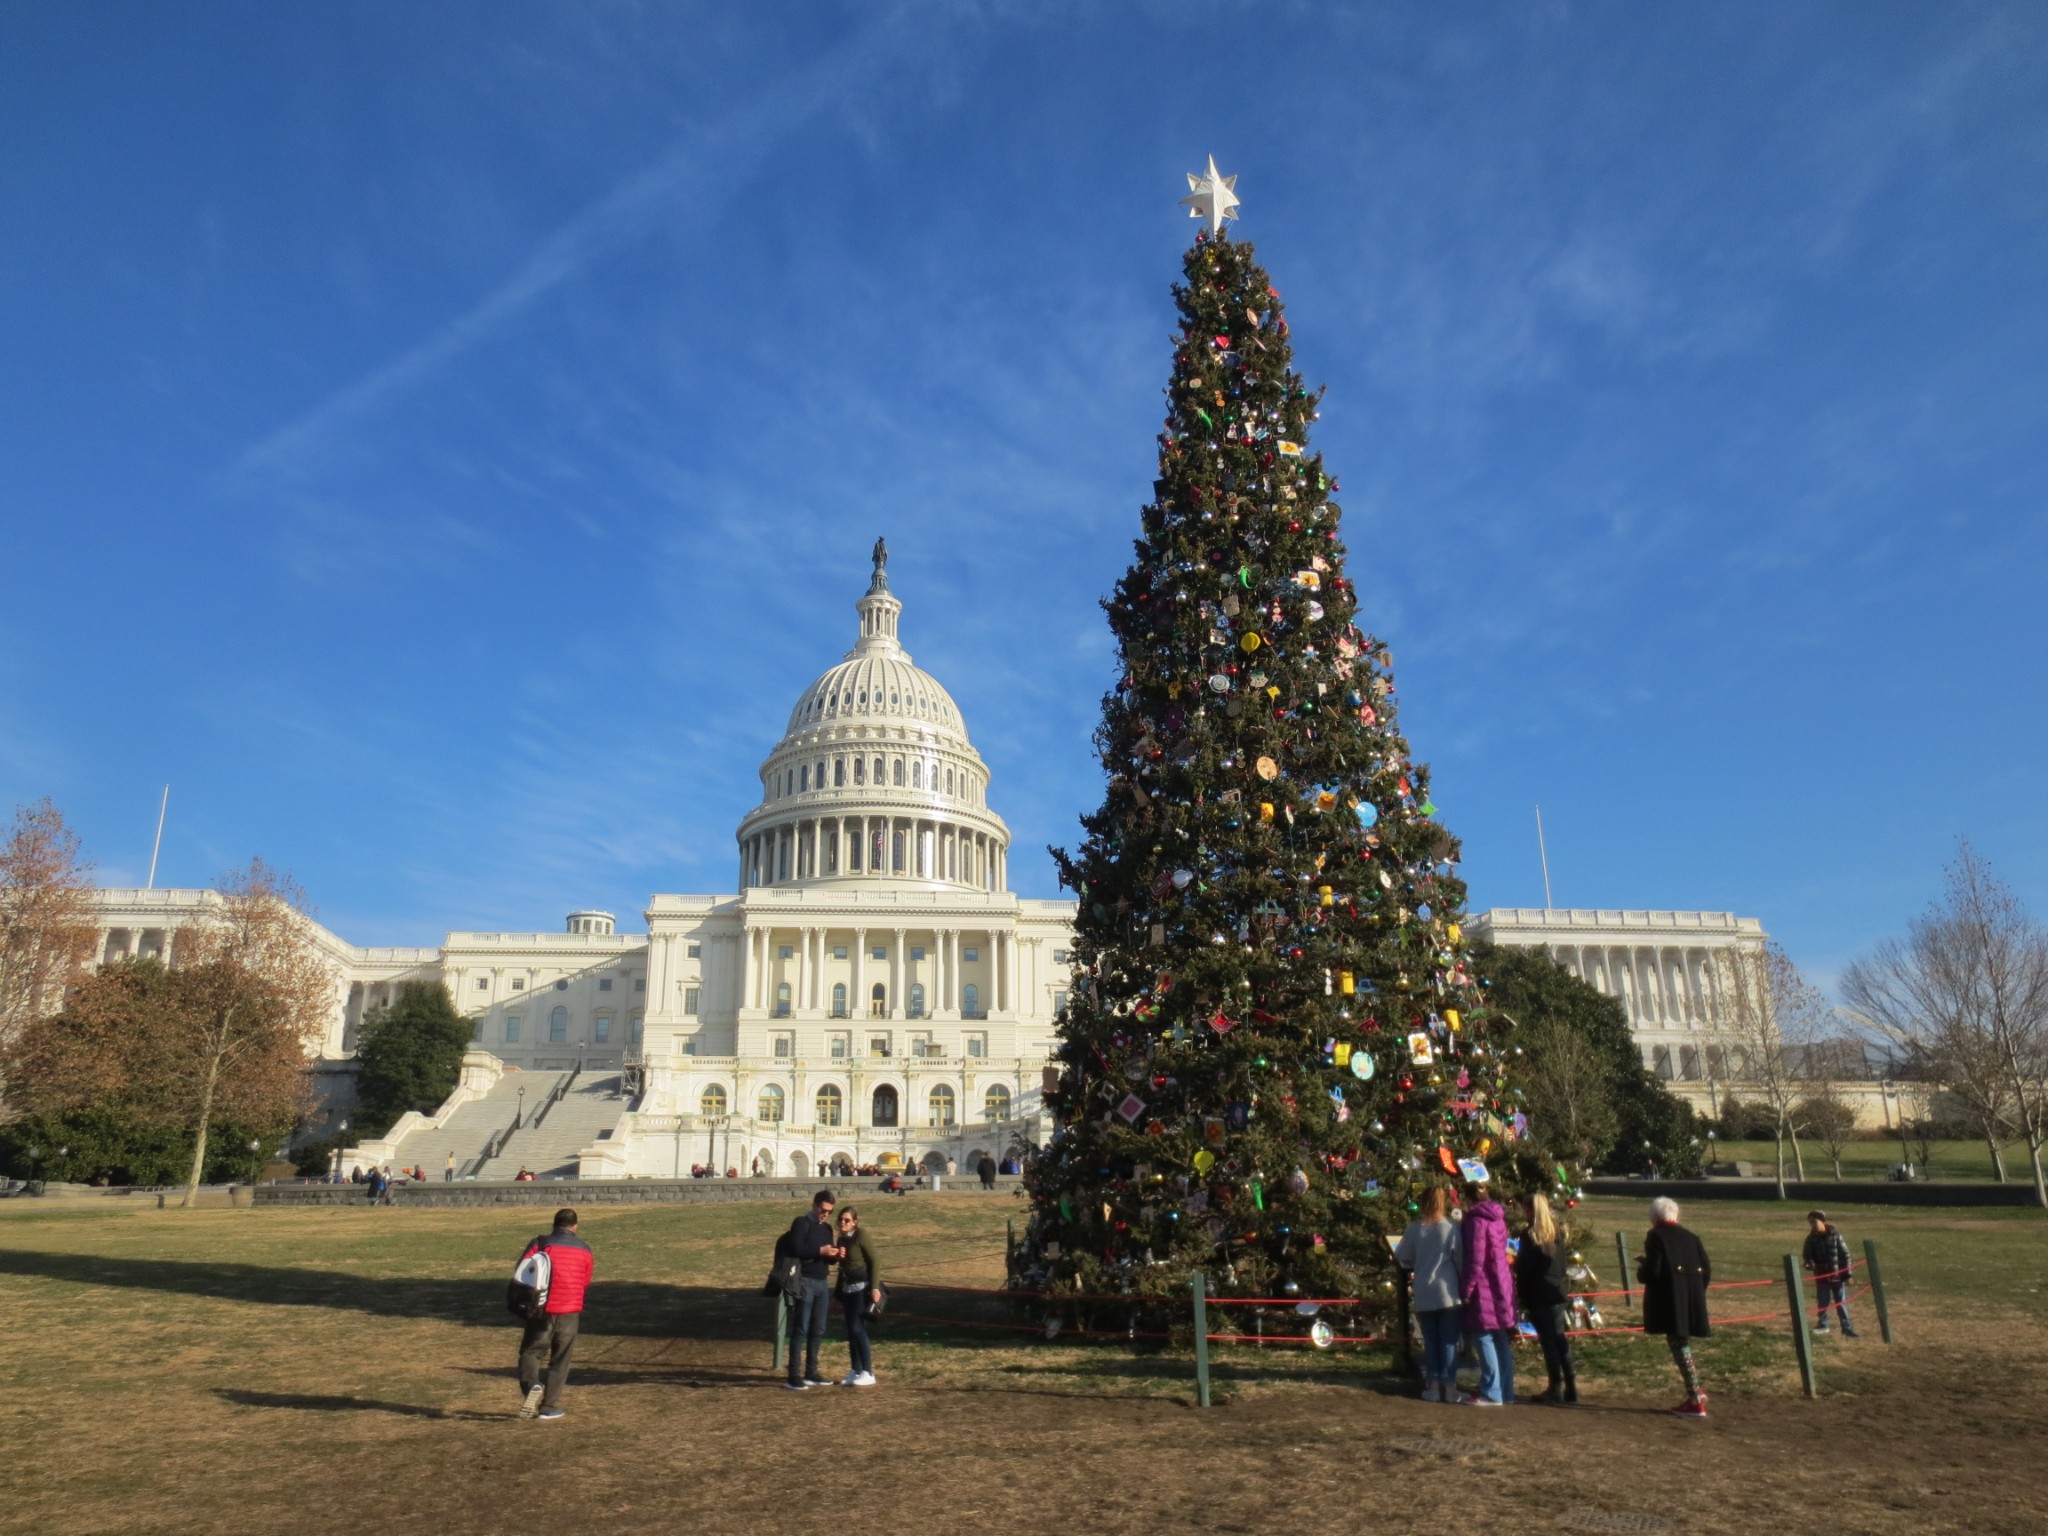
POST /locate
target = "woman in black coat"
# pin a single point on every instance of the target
(1675, 1272)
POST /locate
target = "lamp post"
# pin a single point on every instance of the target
(1710, 1149)
(519, 1114)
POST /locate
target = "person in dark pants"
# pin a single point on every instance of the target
(1826, 1258)
(987, 1169)
(548, 1343)
(860, 1291)
(1540, 1265)
(810, 1241)
(1675, 1273)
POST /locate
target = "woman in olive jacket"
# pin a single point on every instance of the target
(1675, 1272)
(860, 1292)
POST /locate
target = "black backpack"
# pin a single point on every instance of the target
(785, 1272)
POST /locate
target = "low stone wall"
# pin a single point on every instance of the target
(1819, 1192)
(555, 1192)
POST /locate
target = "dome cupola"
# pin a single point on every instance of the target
(874, 778)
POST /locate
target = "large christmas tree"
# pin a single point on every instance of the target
(1272, 1040)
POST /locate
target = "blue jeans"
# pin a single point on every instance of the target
(1496, 1364)
(1833, 1293)
(807, 1314)
(855, 1305)
(1439, 1343)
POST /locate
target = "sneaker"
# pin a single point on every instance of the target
(1850, 1333)
(1432, 1393)
(796, 1386)
(864, 1379)
(552, 1413)
(1692, 1407)
(1820, 1327)
(1474, 1400)
(529, 1405)
(850, 1379)
(816, 1381)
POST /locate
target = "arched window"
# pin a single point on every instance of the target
(838, 999)
(713, 1101)
(885, 1105)
(860, 770)
(917, 1000)
(896, 851)
(558, 1026)
(917, 775)
(970, 1001)
(831, 1105)
(636, 1027)
(899, 773)
(771, 1102)
(782, 1000)
(949, 781)
(996, 1103)
(879, 775)
(878, 1001)
(804, 777)
(601, 1029)
(838, 773)
(818, 776)
(942, 1105)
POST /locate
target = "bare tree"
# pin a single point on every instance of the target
(261, 992)
(1828, 1116)
(1774, 1015)
(1965, 994)
(48, 926)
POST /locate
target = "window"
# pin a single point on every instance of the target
(860, 776)
(604, 984)
(782, 1000)
(803, 780)
(788, 952)
(511, 1029)
(942, 1105)
(561, 986)
(920, 1045)
(636, 1027)
(996, 1105)
(830, 1105)
(483, 984)
(476, 1033)
(917, 952)
(601, 1029)
(885, 1106)
(1059, 1004)
(917, 1000)
(970, 954)
(838, 951)
(1689, 1063)
(838, 999)
(970, 1001)
(690, 1001)
(770, 1107)
(917, 775)
(518, 983)
(558, 1026)
(1661, 1062)
(785, 1045)
(977, 1045)
(896, 851)
(839, 1045)
(1059, 956)
(696, 951)
(878, 771)
(713, 1101)
(639, 983)
(838, 772)
(878, 1045)
(949, 781)
(880, 952)
(878, 1001)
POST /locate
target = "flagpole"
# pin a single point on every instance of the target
(158, 846)
(1542, 852)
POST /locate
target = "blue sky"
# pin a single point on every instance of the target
(442, 441)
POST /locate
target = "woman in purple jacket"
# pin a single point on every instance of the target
(1489, 1287)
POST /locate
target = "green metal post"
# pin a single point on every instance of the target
(1802, 1342)
(1884, 1313)
(1201, 1290)
(1628, 1297)
(781, 1330)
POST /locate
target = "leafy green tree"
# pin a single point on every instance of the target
(1273, 1039)
(409, 1055)
(1591, 1100)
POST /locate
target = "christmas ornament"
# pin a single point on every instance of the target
(1212, 196)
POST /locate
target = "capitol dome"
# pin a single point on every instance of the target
(874, 778)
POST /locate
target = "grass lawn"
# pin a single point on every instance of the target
(1874, 1159)
(351, 1370)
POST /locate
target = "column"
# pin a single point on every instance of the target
(857, 1005)
(943, 941)
(899, 972)
(799, 983)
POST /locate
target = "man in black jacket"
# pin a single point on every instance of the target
(810, 1242)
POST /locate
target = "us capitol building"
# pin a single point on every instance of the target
(873, 994)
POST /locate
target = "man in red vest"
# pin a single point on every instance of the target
(553, 1337)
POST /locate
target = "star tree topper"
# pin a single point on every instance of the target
(1212, 197)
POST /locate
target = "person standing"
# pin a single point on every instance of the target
(1540, 1280)
(548, 1342)
(860, 1292)
(1826, 1258)
(1675, 1273)
(1429, 1250)
(1489, 1295)
(987, 1169)
(810, 1243)
(448, 1174)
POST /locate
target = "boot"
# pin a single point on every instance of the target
(1571, 1386)
(1550, 1393)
